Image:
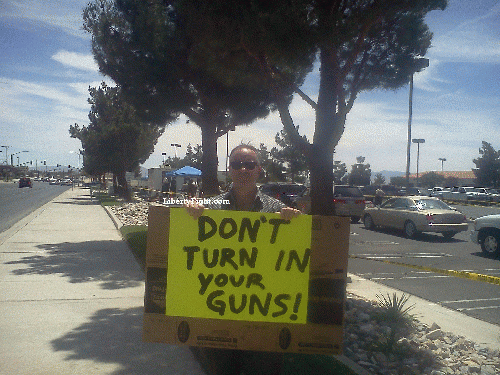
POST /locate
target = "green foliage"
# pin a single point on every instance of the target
(192, 158)
(431, 179)
(395, 314)
(379, 179)
(116, 139)
(360, 173)
(399, 181)
(136, 238)
(289, 157)
(488, 166)
(339, 172)
(274, 171)
(149, 48)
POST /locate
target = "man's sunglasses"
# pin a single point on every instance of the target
(249, 165)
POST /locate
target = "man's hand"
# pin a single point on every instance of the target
(194, 208)
(288, 213)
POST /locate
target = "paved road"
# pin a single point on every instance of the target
(16, 203)
(376, 252)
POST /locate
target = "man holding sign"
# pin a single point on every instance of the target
(244, 169)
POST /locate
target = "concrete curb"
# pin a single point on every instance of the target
(113, 217)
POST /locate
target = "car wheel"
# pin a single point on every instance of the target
(449, 235)
(368, 222)
(491, 243)
(355, 219)
(410, 229)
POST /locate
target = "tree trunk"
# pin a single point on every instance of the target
(209, 160)
(329, 127)
(321, 169)
(124, 191)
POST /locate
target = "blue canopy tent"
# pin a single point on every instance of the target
(184, 172)
(179, 176)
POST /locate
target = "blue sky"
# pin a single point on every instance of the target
(46, 67)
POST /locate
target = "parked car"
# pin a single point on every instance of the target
(25, 182)
(285, 192)
(414, 191)
(414, 214)
(494, 194)
(486, 232)
(67, 182)
(347, 201)
(483, 194)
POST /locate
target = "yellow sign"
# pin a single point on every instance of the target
(239, 266)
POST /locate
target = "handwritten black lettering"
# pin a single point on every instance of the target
(202, 228)
(205, 282)
(294, 257)
(276, 224)
(263, 308)
(190, 250)
(252, 230)
(215, 258)
(227, 257)
(250, 260)
(224, 222)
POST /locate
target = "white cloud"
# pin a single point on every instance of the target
(474, 40)
(76, 60)
(65, 15)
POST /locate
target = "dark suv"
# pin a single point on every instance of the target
(285, 192)
(347, 200)
(25, 182)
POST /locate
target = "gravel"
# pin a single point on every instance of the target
(422, 350)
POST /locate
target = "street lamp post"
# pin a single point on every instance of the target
(175, 146)
(442, 162)
(12, 157)
(418, 141)
(410, 113)
(6, 154)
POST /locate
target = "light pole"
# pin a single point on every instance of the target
(418, 141)
(12, 157)
(410, 113)
(6, 154)
(442, 162)
(175, 146)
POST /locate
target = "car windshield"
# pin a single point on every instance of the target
(346, 191)
(429, 204)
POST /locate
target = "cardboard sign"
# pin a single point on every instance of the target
(238, 266)
(293, 276)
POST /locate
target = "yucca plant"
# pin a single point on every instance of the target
(396, 315)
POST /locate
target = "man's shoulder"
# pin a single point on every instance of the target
(217, 202)
(270, 204)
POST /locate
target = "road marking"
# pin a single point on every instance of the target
(410, 277)
(463, 274)
(478, 308)
(472, 300)
(405, 255)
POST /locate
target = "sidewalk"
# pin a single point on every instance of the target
(71, 297)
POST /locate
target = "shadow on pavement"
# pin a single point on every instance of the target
(106, 262)
(113, 336)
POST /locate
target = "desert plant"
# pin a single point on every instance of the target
(395, 314)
